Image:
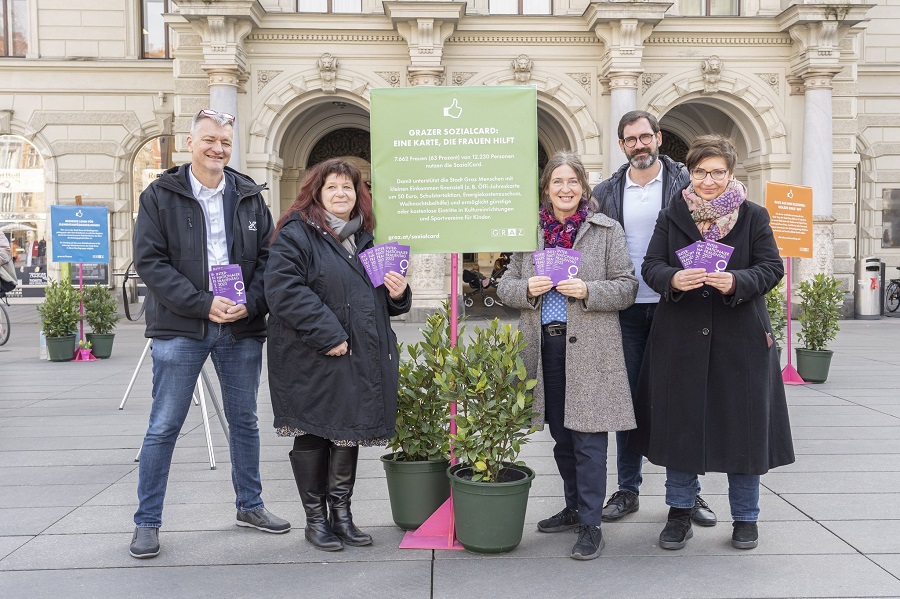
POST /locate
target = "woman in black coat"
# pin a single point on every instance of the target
(332, 356)
(710, 395)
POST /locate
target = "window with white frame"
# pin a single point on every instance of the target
(520, 7)
(13, 28)
(710, 8)
(330, 6)
(154, 31)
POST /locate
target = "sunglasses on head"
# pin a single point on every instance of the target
(211, 113)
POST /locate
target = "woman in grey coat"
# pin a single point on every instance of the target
(574, 343)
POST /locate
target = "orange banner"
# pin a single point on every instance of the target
(791, 212)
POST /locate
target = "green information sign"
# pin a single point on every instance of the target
(454, 169)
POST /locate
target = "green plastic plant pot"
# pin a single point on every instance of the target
(490, 517)
(61, 349)
(101, 344)
(416, 489)
(813, 365)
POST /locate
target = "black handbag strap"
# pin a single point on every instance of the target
(130, 274)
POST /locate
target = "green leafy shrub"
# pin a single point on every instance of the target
(821, 300)
(59, 312)
(776, 305)
(100, 311)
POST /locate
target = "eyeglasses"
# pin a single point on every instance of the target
(209, 112)
(699, 174)
(646, 139)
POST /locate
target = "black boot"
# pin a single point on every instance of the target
(311, 474)
(677, 530)
(341, 478)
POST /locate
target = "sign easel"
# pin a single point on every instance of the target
(790, 210)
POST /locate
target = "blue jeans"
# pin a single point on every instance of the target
(635, 322)
(743, 493)
(580, 457)
(176, 368)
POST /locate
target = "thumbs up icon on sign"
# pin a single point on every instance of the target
(453, 111)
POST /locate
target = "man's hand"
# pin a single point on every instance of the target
(223, 310)
(338, 350)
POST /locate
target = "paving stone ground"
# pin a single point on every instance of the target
(829, 527)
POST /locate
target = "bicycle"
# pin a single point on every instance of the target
(5, 325)
(892, 295)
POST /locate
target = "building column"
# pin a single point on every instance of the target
(224, 82)
(622, 99)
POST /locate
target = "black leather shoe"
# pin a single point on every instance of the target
(565, 520)
(341, 480)
(264, 520)
(745, 535)
(589, 544)
(145, 543)
(620, 504)
(311, 475)
(678, 529)
(701, 514)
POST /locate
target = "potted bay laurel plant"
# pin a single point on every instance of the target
(821, 300)
(101, 313)
(59, 319)
(777, 309)
(487, 380)
(416, 468)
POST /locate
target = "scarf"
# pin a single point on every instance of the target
(716, 217)
(344, 229)
(561, 234)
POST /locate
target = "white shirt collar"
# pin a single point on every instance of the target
(630, 183)
(197, 187)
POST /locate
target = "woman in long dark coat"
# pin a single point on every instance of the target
(332, 356)
(710, 395)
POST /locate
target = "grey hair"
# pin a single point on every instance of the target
(571, 159)
(217, 118)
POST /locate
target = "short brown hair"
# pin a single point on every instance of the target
(711, 146)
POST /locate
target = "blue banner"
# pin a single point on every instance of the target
(79, 234)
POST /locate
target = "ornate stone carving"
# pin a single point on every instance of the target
(328, 66)
(712, 72)
(325, 37)
(770, 79)
(697, 40)
(823, 249)
(5, 120)
(582, 79)
(41, 119)
(460, 77)
(796, 85)
(343, 142)
(648, 79)
(623, 80)
(522, 40)
(263, 78)
(425, 76)
(392, 77)
(818, 79)
(522, 67)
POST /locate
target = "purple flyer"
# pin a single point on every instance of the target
(540, 263)
(226, 280)
(687, 254)
(396, 258)
(368, 261)
(565, 265)
(714, 256)
(379, 252)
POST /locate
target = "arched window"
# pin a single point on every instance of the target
(152, 160)
(23, 207)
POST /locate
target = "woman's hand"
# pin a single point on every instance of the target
(539, 285)
(395, 283)
(339, 350)
(573, 288)
(689, 278)
(722, 281)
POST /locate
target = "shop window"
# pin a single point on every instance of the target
(890, 219)
(152, 160)
(710, 8)
(520, 7)
(13, 28)
(154, 32)
(23, 208)
(330, 6)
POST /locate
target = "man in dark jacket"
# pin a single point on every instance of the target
(634, 195)
(193, 217)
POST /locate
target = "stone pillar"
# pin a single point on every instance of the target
(622, 99)
(425, 25)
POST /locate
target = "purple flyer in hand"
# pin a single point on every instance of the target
(379, 251)
(687, 255)
(714, 256)
(540, 262)
(396, 258)
(226, 280)
(368, 261)
(566, 265)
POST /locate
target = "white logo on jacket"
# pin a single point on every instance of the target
(252, 226)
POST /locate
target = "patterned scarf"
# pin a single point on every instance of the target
(557, 234)
(716, 218)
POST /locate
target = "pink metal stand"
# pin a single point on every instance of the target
(789, 375)
(82, 355)
(439, 530)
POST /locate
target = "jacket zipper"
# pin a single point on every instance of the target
(350, 332)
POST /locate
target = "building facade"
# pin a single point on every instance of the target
(97, 99)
